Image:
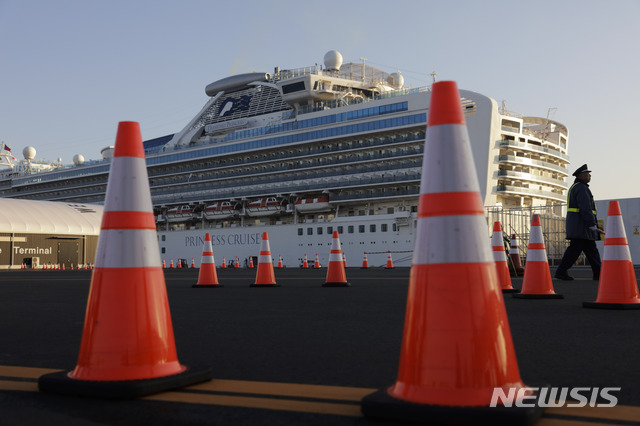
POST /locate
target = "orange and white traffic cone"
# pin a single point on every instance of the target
(305, 263)
(336, 276)
(456, 347)
(265, 276)
(537, 283)
(514, 253)
(237, 264)
(179, 263)
(207, 276)
(344, 259)
(224, 263)
(280, 261)
(316, 264)
(500, 258)
(193, 263)
(389, 261)
(250, 262)
(164, 264)
(171, 264)
(618, 287)
(127, 348)
(365, 262)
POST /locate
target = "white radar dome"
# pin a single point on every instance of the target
(107, 152)
(333, 60)
(78, 159)
(29, 153)
(396, 80)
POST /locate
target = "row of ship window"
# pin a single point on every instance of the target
(320, 121)
(298, 137)
(351, 229)
(248, 146)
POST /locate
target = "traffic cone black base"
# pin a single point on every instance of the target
(510, 290)
(599, 305)
(264, 285)
(381, 405)
(537, 296)
(207, 285)
(61, 383)
(336, 285)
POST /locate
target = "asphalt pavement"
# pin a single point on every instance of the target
(298, 354)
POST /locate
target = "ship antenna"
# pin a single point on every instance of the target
(363, 67)
(433, 76)
(545, 132)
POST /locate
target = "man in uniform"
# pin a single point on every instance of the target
(582, 226)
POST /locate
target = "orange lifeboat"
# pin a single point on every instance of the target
(311, 205)
(221, 210)
(267, 206)
(179, 214)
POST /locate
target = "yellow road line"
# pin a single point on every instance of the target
(285, 389)
(12, 385)
(24, 372)
(264, 403)
(619, 412)
(560, 422)
(350, 395)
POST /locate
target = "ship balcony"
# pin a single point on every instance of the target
(528, 177)
(344, 148)
(526, 161)
(273, 185)
(530, 192)
(533, 148)
(346, 196)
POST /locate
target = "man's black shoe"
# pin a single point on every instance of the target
(564, 277)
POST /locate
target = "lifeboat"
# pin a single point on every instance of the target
(268, 206)
(221, 210)
(179, 214)
(309, 205)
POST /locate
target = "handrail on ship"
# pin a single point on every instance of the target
(335, 103)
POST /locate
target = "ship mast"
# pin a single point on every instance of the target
(6, 158)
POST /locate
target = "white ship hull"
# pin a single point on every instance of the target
(285, 240)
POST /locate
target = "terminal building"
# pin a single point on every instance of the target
(42, 234)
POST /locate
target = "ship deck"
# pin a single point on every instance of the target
(300, 353)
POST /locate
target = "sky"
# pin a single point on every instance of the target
(70, 70)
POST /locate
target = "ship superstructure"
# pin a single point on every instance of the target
(299, 153)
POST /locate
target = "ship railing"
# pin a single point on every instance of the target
(268, 189)
(413, 156)
(229, 163)
(531, 191)
(530, 162)
(336, 103)
(531, 177)
(535, 148)
(303, 174)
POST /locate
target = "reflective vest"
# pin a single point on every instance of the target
(575, 209)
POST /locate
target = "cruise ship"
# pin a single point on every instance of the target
(300, 153)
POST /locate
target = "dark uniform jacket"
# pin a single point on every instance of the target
(581, 213)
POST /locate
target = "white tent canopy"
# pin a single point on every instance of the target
(49, 217)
